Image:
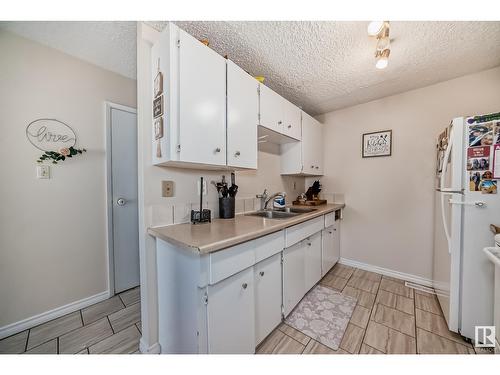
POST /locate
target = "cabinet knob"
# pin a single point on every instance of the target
(335, 229)
(312, 166)
(261, 273)
(317, 167)
(280, 122)
(330, 232)
(217, 149)
(244, 285)
(237, 153)
(308, 244)
(289, 126)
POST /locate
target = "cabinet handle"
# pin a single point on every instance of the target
(237, 153)
(261, 273)
(244, 285)
(217, 149)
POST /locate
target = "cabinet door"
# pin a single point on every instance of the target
(327, 250)
(292, 120)
(231, 316)
(293, 276)
(271, 109)
(312, 145)
(242, 117)
(268, 296)
(312, 260)
(336, 241)
(202, 103)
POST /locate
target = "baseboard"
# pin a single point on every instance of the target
(35, 320)
(387, 272)
(145, 349)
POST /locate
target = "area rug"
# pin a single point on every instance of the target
(323, 314)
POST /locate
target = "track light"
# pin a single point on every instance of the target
(375, 27)
(380, 30)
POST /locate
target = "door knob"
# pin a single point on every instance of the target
(121, 202)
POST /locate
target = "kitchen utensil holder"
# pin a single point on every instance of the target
(226, 207)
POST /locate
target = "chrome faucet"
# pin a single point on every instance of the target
(263, 198)
(280, 194)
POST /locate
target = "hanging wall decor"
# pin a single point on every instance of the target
(55, 138)
(158, 109)
(377, 144)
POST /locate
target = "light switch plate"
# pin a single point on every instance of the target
(167, 188)
(43, 171)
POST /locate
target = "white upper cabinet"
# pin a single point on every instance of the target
(306, 157)
(242, 117)
(202, 102)
(271, 109)
(291, 120)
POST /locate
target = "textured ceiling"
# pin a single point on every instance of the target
(110, 45)
(320, 66)
(323, 66)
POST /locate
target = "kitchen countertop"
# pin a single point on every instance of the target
(222, 233)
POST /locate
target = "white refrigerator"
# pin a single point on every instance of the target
(464, 209)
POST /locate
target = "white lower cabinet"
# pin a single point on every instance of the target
(268, 296)
(231, 315)
(294, 281)
(330, 248)
(312, 260)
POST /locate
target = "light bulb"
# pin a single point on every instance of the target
(382, 63)
(375, 27)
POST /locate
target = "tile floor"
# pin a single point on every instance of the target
(389, 318)
(110, 326)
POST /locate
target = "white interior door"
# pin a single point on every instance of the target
(125, 230)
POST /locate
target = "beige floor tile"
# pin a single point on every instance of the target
(396, 287)
(421, 292)
(400, 281)
(429, 343)
(365, 349)
(334, 282)
(365, 299)
(54, 328)
(315, 347)
(139, 326)
(362, 274)
(436, 324)
(14, 344)
(267, 346)
(50, 347)
(294, 334)
(83, 337)
(428, 303)
(341, 270)
(360, 316)
(131, 296)
(95, 312)
(395, 319)
(287, 345)
(351, 342)
(126, 317)
(364, 284)
(405, 304)
(123, 342)
(387, 340)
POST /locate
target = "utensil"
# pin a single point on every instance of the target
(233, 189)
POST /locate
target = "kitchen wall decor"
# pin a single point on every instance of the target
(55, 138)
(377, 144)
(158, 109)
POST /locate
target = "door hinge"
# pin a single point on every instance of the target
(178, 42)
(258, 116)
(282, 258)
(258, 89)
(205, 299)
(178, 148)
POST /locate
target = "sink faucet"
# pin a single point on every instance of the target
(280, 194)
(263, 198)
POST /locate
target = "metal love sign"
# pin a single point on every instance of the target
(50, 134)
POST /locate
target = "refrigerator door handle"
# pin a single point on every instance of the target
(479, 204)
(451, 191)
(446, 158)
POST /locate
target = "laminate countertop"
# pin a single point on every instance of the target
(222, 233)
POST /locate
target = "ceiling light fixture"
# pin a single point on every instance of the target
(380, 30)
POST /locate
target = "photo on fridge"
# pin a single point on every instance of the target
(474, 181)
(481, 134)
(489, 186)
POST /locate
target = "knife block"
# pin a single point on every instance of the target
(226, 208)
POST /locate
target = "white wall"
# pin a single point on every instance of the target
(53, 232)
(388, 219)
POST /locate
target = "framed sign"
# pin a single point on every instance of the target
(48, 134)
(158, 107)
(158, 84)
(377, 144)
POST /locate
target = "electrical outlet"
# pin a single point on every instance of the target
(204, 187)
(167, 188)
(43, 171)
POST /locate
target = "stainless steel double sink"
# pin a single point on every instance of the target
(281, 213)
